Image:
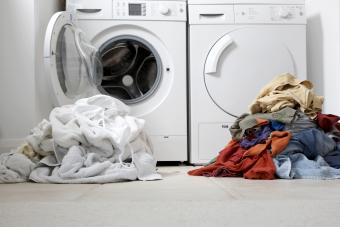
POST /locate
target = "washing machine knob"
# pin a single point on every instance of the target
(164, 10)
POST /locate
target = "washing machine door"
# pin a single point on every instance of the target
(241, 62)
(72, 64)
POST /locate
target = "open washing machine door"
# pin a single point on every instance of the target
(242, 61)
(71, 62)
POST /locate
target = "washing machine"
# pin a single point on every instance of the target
(132, 50)
(235, 48)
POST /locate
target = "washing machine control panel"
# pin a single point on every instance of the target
(149, 10)
(270, 14)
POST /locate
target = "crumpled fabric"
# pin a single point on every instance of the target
(261, 134)
(93, 141)
(303, 157)
(40, 138)
(229, 163)
(298, 166)
(287, 91)
(246, 121)
(330, 123)
(98, 129)
(15, 167)
(254, 163)
(300, 123)
(333, 157)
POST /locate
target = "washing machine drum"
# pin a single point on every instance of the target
(130, 70)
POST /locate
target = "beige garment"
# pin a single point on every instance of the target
(27, 150)
(287, 91)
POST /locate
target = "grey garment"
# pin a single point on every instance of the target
(298, 166)
(246, 121)
(15, 167)
(300, 122)
(303, 156)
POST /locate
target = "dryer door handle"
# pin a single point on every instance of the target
(215, 53)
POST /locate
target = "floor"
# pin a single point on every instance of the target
(177, 200)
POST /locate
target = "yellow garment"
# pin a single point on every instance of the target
(286, 90)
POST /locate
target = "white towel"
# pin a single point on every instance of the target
(99, 138)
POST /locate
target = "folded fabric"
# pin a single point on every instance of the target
(287, 91)
(246, 121)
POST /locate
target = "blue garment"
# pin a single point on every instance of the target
(262, 134)
(298, 166)
(303, 156)
(259, 137)
(276, 125)
(310, 142)
(333, 157)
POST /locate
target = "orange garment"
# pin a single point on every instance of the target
(235, 161)
(277, 141)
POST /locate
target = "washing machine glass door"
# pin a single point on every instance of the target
(132, 68)
(241, 62)
(73, 63)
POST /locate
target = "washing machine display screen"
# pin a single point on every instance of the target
(135, 9)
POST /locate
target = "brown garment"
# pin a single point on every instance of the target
(287, 91)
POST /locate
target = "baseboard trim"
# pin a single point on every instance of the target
(7, 144)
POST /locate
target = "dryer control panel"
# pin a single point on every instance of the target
(270, 14)
(247, 14)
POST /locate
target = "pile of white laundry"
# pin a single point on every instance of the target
(91, 141)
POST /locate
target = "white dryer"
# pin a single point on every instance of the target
(235, 48)
(130, 49)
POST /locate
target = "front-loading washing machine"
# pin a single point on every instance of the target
(235, 48)
(132, 50)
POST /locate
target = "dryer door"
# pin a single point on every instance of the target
(72, 65)
(241, 62)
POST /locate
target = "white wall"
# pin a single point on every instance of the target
(23, 99)
(323, 45)
(16, 69)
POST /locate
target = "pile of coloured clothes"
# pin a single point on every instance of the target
(91, 141)
(285, 136)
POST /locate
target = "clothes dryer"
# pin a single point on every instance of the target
(235, 48)
(129, 49)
